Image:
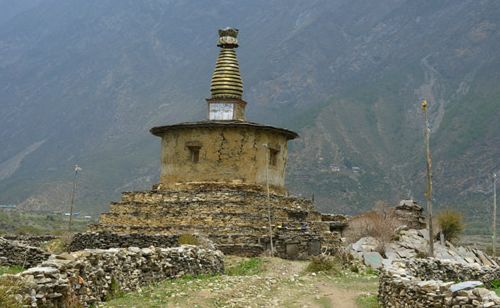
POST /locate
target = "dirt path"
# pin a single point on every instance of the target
(341, 298)
(281, 283)
(322, 290)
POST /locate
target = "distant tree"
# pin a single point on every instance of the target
(451, 224)
(347, 163)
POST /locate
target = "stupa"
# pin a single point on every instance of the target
(224, 178)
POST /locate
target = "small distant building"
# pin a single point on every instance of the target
(8, 206)
(334, 168)
(356, 169)
(74, 214)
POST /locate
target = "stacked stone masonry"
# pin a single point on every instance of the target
(106, 240)
(433, 283)
(31, 240)
(85, 278)
(336, 222)
(234, 217)
(16, 253)
(410, 214)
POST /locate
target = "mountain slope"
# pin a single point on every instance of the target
(83, 81)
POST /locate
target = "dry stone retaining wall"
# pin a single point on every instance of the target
(446, 270)
(31, 240)
(222, 211)
(106, 240)
(234, 217)
(85, 278)
(15, 253)
(432, 283)
(288, 244)
(296, 246)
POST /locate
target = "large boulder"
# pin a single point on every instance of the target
(366, 244)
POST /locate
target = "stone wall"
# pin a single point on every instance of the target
(296, 245)
(432, 283)
(234, 217)
(15, 253)
(288, 244)
(336, 222)
(227, 209)
(409, 213)
(446, 270)
(106, 240)
(31, 240)
(85, 278)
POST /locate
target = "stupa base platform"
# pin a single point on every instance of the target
(235, 217)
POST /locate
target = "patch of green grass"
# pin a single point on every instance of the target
(325, 302)
(495, 286)
(497, 291)
(367, 301)
(371, 271)
(359, 281)
(11, 269)
(251, 266)
(163, 294)
(188, 239)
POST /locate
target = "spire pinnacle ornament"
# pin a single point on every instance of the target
(226, 79)
(226, 88)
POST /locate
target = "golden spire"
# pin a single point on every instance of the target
(226, 79)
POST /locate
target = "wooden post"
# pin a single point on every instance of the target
(428, 193)
(268, 154)
(77, 168)
(494, 224)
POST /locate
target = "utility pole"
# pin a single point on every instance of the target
(268, 154)
(77, 168)
(428, 193)
(494, 225)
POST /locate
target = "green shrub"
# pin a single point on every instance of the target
(325, 264)
(451, 224)
(251, 266)
(354, 268)
(188, 239)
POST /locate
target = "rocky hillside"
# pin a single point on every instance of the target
(83, 81)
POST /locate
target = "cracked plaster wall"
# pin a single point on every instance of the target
(227, 154)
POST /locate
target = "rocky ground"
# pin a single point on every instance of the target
(412, 244)
(264, 282)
